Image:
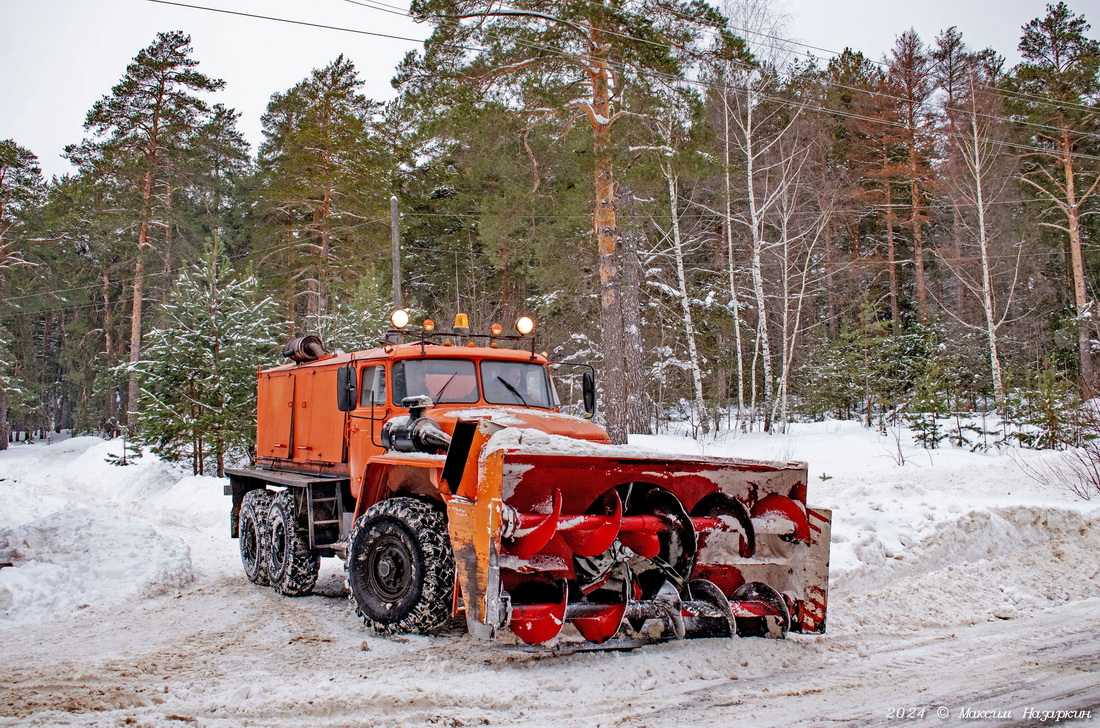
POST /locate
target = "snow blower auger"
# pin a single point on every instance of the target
(551, 533)
(441, 469)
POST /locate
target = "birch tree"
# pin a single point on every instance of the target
(771, 160)
(985, 172)
(801, 218)
(671, 131)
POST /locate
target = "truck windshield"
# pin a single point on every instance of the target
(444, 380)
(516, 383)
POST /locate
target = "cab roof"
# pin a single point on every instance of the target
(415, 350)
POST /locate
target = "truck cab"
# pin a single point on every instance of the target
(321, 426)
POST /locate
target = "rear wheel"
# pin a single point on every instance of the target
(253, 535)
(400, 568)
(291, 566)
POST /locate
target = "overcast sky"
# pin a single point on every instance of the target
(57, 57)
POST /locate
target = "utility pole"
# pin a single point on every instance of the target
(395, 236)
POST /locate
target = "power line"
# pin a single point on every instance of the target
(928, 106)
(176, 271)
(651, 74)
(379, 6)
(286, 20)
(856, 261)
(640, 71)
(787, 42)
(285, 246)
(244, 254)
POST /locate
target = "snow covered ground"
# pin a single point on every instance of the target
(960, 587)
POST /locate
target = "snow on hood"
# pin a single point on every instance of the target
(576, 428)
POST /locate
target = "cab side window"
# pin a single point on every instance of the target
(373, 391)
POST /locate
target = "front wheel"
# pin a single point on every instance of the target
(291, 566)
(400, 567)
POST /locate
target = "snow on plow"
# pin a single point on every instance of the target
(551, 533)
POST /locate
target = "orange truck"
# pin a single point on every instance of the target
(442, 470)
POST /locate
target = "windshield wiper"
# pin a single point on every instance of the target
(439, 394)
(513, 390)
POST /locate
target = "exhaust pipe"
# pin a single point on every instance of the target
(304, 349)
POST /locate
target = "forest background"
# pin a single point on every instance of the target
(736, 234)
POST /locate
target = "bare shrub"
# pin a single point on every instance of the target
(1075, 470)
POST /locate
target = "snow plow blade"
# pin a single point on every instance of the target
(568, 545)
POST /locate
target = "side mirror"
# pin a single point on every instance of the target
(346, 390)
(588, 390)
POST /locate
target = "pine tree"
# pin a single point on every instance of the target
(21, 193)
(216, 163)
(1059, 78)
(877, 364)
(21, 188)
(322, 181)
(535, 58)
(12, 391)
(849, 80)
(359, 319)
(910, 80)
(198, 378)
(140, 132)
(85, 219)
(928, 404)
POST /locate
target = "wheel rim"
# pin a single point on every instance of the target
(249, 545)
(389, 568)
(278, 542)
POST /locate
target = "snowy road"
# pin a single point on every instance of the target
(947, 594)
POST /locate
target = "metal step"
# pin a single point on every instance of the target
(313, 499)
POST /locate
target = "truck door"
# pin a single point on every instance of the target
(275, 410)
(373, 395)
(318, 426)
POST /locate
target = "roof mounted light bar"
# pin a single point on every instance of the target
(400, 320)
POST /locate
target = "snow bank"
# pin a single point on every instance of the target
(144, 479)
(147, 487)
(64, 529)
(195, 500)
(983, 567)
(20, 503)
(80, 556)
